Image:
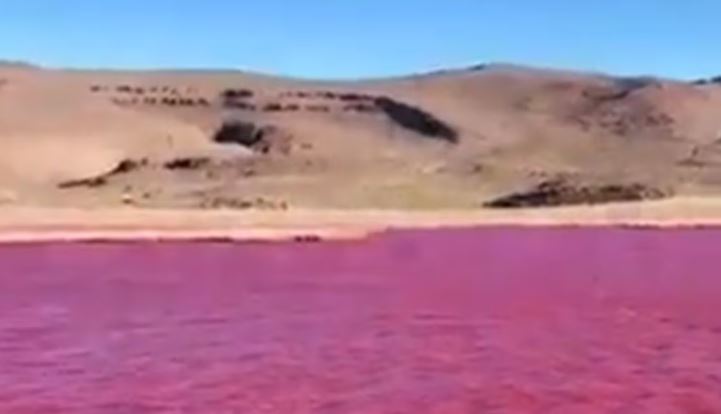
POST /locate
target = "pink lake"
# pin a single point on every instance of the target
(486, 320)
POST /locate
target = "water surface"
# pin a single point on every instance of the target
(491, 320)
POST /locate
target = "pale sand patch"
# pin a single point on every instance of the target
(37, 224)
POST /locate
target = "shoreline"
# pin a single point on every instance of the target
(33, 224)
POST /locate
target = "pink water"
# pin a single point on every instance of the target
(495, 320)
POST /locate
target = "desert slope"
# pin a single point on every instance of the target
(488, 136)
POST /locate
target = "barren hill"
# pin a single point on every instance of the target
(491, 136)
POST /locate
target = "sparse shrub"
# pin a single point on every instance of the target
(190, 163)
(317, 108)
(351, 97)
(231, 94)
(273, 107)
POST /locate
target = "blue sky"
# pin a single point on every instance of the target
(361, 38)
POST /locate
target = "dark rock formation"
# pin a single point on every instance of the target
(415, 119)
(85, 182)
(188, 163)
(273, 107)
(123, 167)
(354, 97)
(265, 139)
(559, 193)
(186, 102)
(233, 94)
(246, 134)
(243, 106)
(126, 166)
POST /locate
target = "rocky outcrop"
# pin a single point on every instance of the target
(263, 139)
(246, 134)
(560, 193)
(416, 119)
(123, 167)
(234, 94)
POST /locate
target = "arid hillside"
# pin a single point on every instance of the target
(491, 136)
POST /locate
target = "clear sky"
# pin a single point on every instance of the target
(360, 38)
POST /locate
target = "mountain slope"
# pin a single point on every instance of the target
(460, 138)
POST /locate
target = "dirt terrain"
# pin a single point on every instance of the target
(490, 136)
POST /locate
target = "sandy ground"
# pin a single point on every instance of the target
(37, 224)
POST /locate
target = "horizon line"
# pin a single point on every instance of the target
(29, 64)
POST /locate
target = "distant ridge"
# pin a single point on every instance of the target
(467, 68)
(8, 63)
